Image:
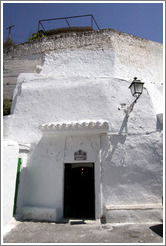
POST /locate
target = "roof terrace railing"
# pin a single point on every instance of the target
(67, 20)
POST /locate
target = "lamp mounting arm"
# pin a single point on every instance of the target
(130, 108)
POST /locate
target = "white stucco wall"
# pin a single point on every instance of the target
(81, 85)
(138, 56)
(9, 170)
(130, 166)
(63, 99)
(45, 172)
(107, 51)
(156, 94)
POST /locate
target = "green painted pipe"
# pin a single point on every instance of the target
(17, 184)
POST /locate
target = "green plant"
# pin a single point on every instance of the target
(35, 36)
(6, 106)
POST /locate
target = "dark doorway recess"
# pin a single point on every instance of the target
(158, 229)
(79, 193)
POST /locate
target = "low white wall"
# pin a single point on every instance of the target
(38, 213)
(10, 160)
(143, 213)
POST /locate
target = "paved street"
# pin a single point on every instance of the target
(84, 232)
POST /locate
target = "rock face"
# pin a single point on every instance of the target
(78, 102)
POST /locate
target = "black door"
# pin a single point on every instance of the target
(79, 195)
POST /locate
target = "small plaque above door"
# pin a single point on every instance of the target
(80, 155)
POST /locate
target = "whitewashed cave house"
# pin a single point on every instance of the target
(84, 152)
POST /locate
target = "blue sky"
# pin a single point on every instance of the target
(141, 19)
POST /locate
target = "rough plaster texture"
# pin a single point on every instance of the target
(132, 165)
(10, 159)
(128, 161)
(83, 85)
(62, 99)
(15, 65)
(108, 52)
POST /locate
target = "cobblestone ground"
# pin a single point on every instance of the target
(84, 232)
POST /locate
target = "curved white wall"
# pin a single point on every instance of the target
(42, 99)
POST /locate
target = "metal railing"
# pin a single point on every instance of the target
(67, 20)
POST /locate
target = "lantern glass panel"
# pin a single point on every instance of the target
(132, 89)
(138, 88)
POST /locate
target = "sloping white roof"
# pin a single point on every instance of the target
(77, 127)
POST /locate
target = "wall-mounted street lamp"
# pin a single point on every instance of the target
(136, 87)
